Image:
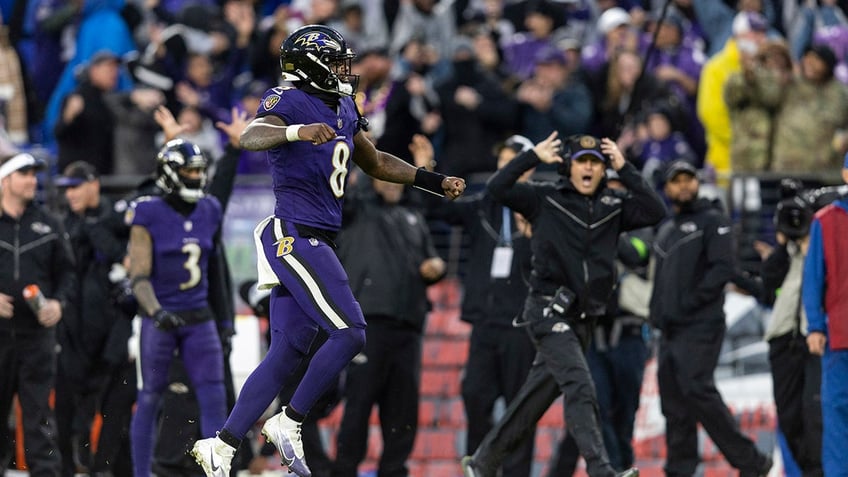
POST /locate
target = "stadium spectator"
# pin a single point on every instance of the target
(753, 97)
(85, 130)
(475, 114)
(430, 21)
(812, 110)
(520, 49)
(615, 33)
(749, 34)
(661, 146)
(619, 98)
(553, 99)
(135, 129)
(13, 97)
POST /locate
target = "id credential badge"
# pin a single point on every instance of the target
(501, 262)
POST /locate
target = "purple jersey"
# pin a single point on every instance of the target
(309, 180)
(181, 249)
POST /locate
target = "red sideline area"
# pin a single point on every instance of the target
(440, 443)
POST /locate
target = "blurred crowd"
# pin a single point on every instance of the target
(731, 86)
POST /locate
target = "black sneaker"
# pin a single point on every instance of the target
(763, 470)
(631, 472)
(468, 469)
(473, 469)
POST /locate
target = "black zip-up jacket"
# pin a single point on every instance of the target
(382, 247)
(575, 236)
(493, 301)
(34, 249)
(694, 261)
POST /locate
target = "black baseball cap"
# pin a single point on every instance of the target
(77, 173)
(680, 167)
(587, 145)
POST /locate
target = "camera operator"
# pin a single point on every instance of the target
(796, 373)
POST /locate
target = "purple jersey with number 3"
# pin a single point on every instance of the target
(181, 249)
(309, 180)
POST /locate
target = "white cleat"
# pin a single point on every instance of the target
(284, 433)
(214, 456)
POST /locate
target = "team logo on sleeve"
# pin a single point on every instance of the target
(270, 102)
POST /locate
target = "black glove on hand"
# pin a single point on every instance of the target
(166, 321)
(226, 335)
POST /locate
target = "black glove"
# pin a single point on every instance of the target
(226, 335)
(166, 321)
(124, 299)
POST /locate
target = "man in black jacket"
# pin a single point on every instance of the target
(694, 261)
(94, 345)
(494, 290)
(33, 251)
(389, 256)
(576, 223)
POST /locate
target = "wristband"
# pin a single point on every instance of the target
(429, 181)
(291, 132)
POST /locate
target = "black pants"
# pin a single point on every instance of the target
(686, 364)
(796, 377)
(560, 368)
(28, 364)
(617, 372)
(387, 373)
(113, 448)
(499, 361)
(80, 382)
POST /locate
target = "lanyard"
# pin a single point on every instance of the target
(506, 229)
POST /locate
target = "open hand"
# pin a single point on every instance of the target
(549, 149)
(610, 148)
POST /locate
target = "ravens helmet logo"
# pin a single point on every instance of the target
(319, 56)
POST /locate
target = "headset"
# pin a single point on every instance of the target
(579, 144)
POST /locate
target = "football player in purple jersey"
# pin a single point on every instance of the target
(171, 241)
(311, 132)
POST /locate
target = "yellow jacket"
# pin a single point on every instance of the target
(712, 110)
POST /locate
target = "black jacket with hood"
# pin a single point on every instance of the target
(575, 236)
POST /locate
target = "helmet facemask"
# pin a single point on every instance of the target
(319, 56)
(179, 155)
